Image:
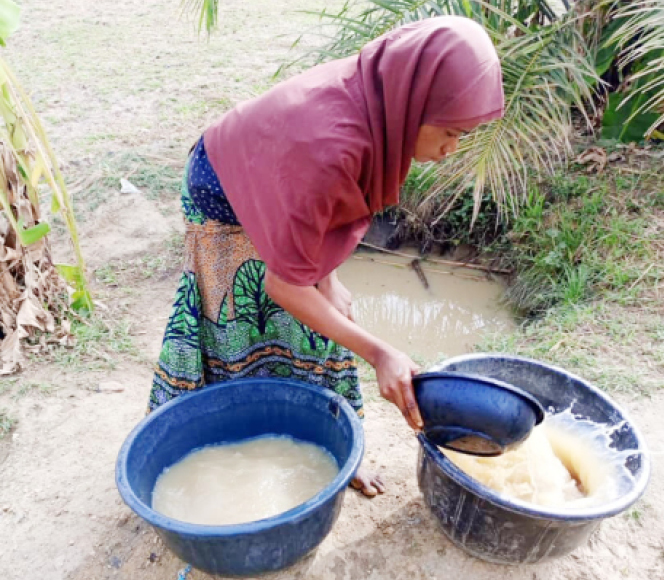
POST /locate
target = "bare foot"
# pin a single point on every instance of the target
(370, 484)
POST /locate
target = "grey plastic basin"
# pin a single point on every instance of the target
(494, 528)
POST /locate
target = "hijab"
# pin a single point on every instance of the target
(308, 163)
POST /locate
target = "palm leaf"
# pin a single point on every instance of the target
(543, 75)
(357, 23)
(207, 12)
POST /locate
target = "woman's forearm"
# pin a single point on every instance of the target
(309, 305)
(394, 369)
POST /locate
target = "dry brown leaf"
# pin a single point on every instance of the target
(37, 250)
(31, 313)
(9, 285)
(11, 173)
(4, 227)
(8, 254)
(594, 157)
(25, 212)
(12, 352)
(30, 287)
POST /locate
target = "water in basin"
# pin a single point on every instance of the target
(565, 463)
(243, 482)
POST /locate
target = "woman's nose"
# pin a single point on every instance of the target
(451, 146)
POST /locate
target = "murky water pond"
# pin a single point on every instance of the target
(447, 319)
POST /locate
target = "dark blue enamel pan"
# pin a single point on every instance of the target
(474, 414)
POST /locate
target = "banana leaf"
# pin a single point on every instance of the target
(631, 114)
(9, 18)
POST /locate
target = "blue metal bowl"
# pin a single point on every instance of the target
(227, 413)
(474, 415)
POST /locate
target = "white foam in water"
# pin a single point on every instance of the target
(566, 463)
(243, 482)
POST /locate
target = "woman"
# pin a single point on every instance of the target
(282, 188)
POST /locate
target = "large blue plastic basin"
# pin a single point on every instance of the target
(230, 412)
(495, 528)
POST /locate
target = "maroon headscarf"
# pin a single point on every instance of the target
(306, 165)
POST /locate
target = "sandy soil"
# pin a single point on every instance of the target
(122, 76)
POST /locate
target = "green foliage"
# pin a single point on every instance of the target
(28, 161)
(568, 242)
(636, 36)
(418, 183)
(627, 117)
(7, 423)
(356, 23)
(455, 228)
(9, 19)
(607, 48)
(206, 10)
(33, 234)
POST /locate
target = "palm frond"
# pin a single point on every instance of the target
(207, 12)
(357, 23)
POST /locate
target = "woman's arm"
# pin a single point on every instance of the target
(394, 369)
(337, 294)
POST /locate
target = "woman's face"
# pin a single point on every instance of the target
(435, 143)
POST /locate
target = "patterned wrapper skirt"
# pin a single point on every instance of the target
(223, 325)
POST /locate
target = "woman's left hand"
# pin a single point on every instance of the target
(337, 294)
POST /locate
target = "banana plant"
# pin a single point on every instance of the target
(31, 286)
(636, 111)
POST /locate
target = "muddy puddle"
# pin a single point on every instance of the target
(446, 319)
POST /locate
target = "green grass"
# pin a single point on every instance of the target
(607, 344)
(156, 180)
(638, 512)
(586, 251)
(7, 385)
(19, 388)
(196, 109)
(34, 388)
(635, 515)
(98, 345)
(144, 267)
(7, 423)
(100, 138)
(577, 238)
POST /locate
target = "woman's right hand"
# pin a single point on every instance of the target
(394, 371)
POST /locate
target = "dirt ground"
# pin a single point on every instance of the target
(125, 85)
